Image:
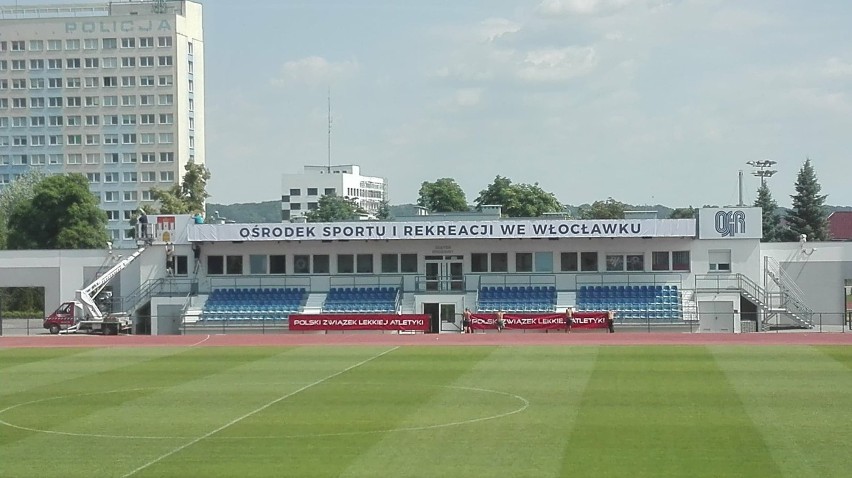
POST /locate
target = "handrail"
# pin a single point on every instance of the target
(793, 289)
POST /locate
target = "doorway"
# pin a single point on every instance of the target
(716, 316)
(444, 273)
(440, 315)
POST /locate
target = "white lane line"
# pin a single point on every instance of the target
(205, 339)
(253, 412)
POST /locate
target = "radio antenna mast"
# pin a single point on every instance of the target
(329, 130)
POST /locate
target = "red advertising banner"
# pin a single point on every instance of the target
(540, 321)
(419, 322)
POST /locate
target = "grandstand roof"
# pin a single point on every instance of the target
(840, 225)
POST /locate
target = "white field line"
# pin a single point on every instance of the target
(205, 339)
(253, 412)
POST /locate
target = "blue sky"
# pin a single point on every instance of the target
(645, 101)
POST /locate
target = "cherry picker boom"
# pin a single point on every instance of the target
(83, 313)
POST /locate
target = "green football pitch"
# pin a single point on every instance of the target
(363, 411)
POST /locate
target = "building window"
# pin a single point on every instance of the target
(301, 264)
(523, 262)
(680, 261)
(660, 261)
(408, 263)
(322, 264)
(215, 265)
(720, 260)
(165, 60)
(146, 42)
(365, 263)
(614, 263)
(635, 262)
(589, 261)
(568, 262)
(277, 264)
(329, 192)
(390, 263)
(164, 41)
(345, 263)
(499, 262)
(544, 262)
(234, 265)
(295, 192)
(479, 262)
(128, 43)
(258, 264)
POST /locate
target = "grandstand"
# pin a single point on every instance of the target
(705, 274)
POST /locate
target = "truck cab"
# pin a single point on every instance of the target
(66, 315)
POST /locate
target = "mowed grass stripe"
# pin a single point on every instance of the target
(663, 412)
(321, 431)
(34, 368)
(16, 357)
(528, 443)
(139, 408)
(800, 398)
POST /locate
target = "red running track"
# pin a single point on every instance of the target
(389, 339)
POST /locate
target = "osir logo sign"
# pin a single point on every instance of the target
(730, 223)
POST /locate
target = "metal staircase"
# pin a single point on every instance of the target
(785, 296)
(779, 305)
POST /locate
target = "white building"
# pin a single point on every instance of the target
(301, 192)
(112, 90)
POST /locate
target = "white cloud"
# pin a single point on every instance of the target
(468, 97)
(493, 28)
(581, 7)
(738, 20)
(314, 70)
(837, 68)
(557, 64)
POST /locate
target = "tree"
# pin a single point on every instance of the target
(518, 200)
(384, 212)
(18, 192)
(187, 197)
(684, 213)
(807, 215)
(62, 214)
(444, 195)
(609, 209)
(332, 208)
(771, 220)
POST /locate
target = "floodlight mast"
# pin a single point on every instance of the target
(763, 169)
